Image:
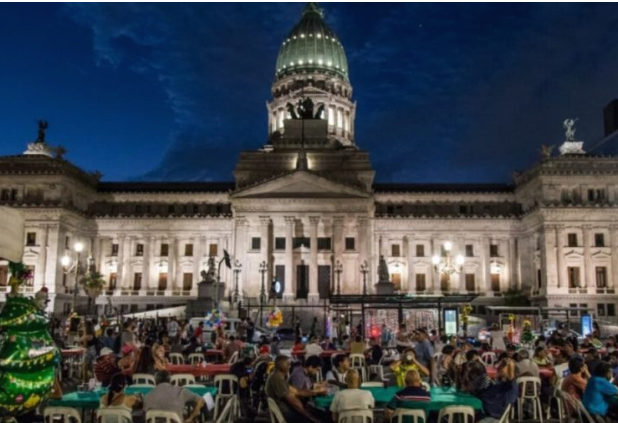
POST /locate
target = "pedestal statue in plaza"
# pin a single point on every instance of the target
(384, 285)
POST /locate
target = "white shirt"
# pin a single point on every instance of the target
(352, 399)
(336, 376)
(312, 349)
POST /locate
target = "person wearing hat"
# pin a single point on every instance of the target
(264, 356)
(105, 367)
(128, 357)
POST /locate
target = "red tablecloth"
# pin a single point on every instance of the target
(73, 352)
(208, 370)
(324, 354)
(544, 372)
(213, 353)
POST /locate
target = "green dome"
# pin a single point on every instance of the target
(312, 46)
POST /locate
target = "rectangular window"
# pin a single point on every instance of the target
(495, 282)
(599, 240)
(445, 282)
(600, 309)
(395, 250)
(324, 244)
(165, 250)
(256, 243)
(601, 273)
(573, 311)
(5, 195)
(137, 281)
(539, 279)
(213, 250)
(301, 242)
(463, 209)
(280, 276)
(113, 278)
(493, 250)
(350, 244)
(420, 282)
(470, 282)
(187, 281)
(13, 194)
(162, 281)
(188, 250)
(171, 209)
(420, 250)
(469, 250)
(67, 242)
(611, 310)
(138, 210)
(31, 239)
(139, 250)
(596, 195)
(573, 274)
(114, 250)
(572, 240)
(396, 280)
(279, 243)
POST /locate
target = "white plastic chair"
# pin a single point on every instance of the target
(115, 414)
(506, 414)
(143, 379)
(357, 361)
(418, 416)
(234, 358)
(62, 414)
(378, 370)
(154, 416)
(275, 413)
(372, 385)
(575, 405)
(182, 379)
(426, 386)
(177, 358)
(556, 397)
(457, 410)
(356, 416)
(227, 388)
(488, 358)
(196, 358)
(229, 411)
(529, 390)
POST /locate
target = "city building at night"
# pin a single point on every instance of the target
(307, 203)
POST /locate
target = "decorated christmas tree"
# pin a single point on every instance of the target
(527, 337)
(28, 357)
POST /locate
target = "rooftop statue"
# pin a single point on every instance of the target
(43, 125)
(569, 125)
(304, 109)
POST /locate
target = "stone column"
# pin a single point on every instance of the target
(434, 280)
(549, 263)
(588, 269)
(288, 292)
(146, 262)
(513, 262)
(171, 262)
(314, 296)
(266, 250)
(42, 259)
(100, 259)
(240, 248)
(461, 249)
(562, 281)
(485, 264)
(363, 239)
(178, 268)
(411, 273)
(120, 267)
(337, 238)
(612, 279)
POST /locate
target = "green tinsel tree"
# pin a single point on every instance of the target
(527, 337)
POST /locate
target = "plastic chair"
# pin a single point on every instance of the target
(64, 414)
(378, 370)
(154, 416)
(228, 413)
(506, 414)
(357, 361)
(275, 413)
(418, 416)
(426, 386)
(575, 405)
(182, 379)
(177, 358)
(488, 358)
(356, 415)
(529, 390)
(559, 406)
(115, 414)
(196, 358)
(234, 358)
(467, 413)
(227, 388)
(372, 385)
(143, 379)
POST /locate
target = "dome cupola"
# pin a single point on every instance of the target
(312, 47)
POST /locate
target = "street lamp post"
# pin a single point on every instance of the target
(338, 271)
(263, 270)
(237, 270)
(364, 270)
(68, 267)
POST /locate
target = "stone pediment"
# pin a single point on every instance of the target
(300, 184)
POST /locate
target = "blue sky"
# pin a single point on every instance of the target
(173, 91)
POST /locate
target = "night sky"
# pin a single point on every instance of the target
(446, 92)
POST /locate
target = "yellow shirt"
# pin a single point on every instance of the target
(400, 372)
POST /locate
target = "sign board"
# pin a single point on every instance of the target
(586, 323)
(451, 321)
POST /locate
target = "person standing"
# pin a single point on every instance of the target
(314, 326)
(497, 338)
(241, 331)
(385, 336)
(250, 330)
(298, 333)
(423, 349)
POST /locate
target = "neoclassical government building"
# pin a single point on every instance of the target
(306, 204)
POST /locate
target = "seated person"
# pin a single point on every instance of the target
(128, 358)
(192, 347)
(168, 397)
(375, 351)
(525, 366)
(105, 367)
(278, 388)
(599, 392)
(592, 359)
(336, 376)
(561, 367)
(145, 362)
(302, 377)
(575, 382)
(446, 366)
(264, 356)
(313, 348)
(541, 358)
(159, 358)
(407, 362)
(410, 396)
(328, 345)
(351, 398)
(233, 345)
(358, 346)
(298, 347)
(116, 397)
(496, 395)
(460, 356)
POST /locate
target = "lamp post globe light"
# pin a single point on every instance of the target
(446, 264)
(69, 266)
(237, 270)
(364, 268)
(263, 269)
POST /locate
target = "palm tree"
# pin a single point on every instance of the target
(93, 284)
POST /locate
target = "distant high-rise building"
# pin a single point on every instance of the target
(610, 118)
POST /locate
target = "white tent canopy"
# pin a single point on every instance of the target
(11, 234)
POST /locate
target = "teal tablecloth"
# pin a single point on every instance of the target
(90, 400)
(440, 398)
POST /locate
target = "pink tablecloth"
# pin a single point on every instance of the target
(208, 370)
(544, 372)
